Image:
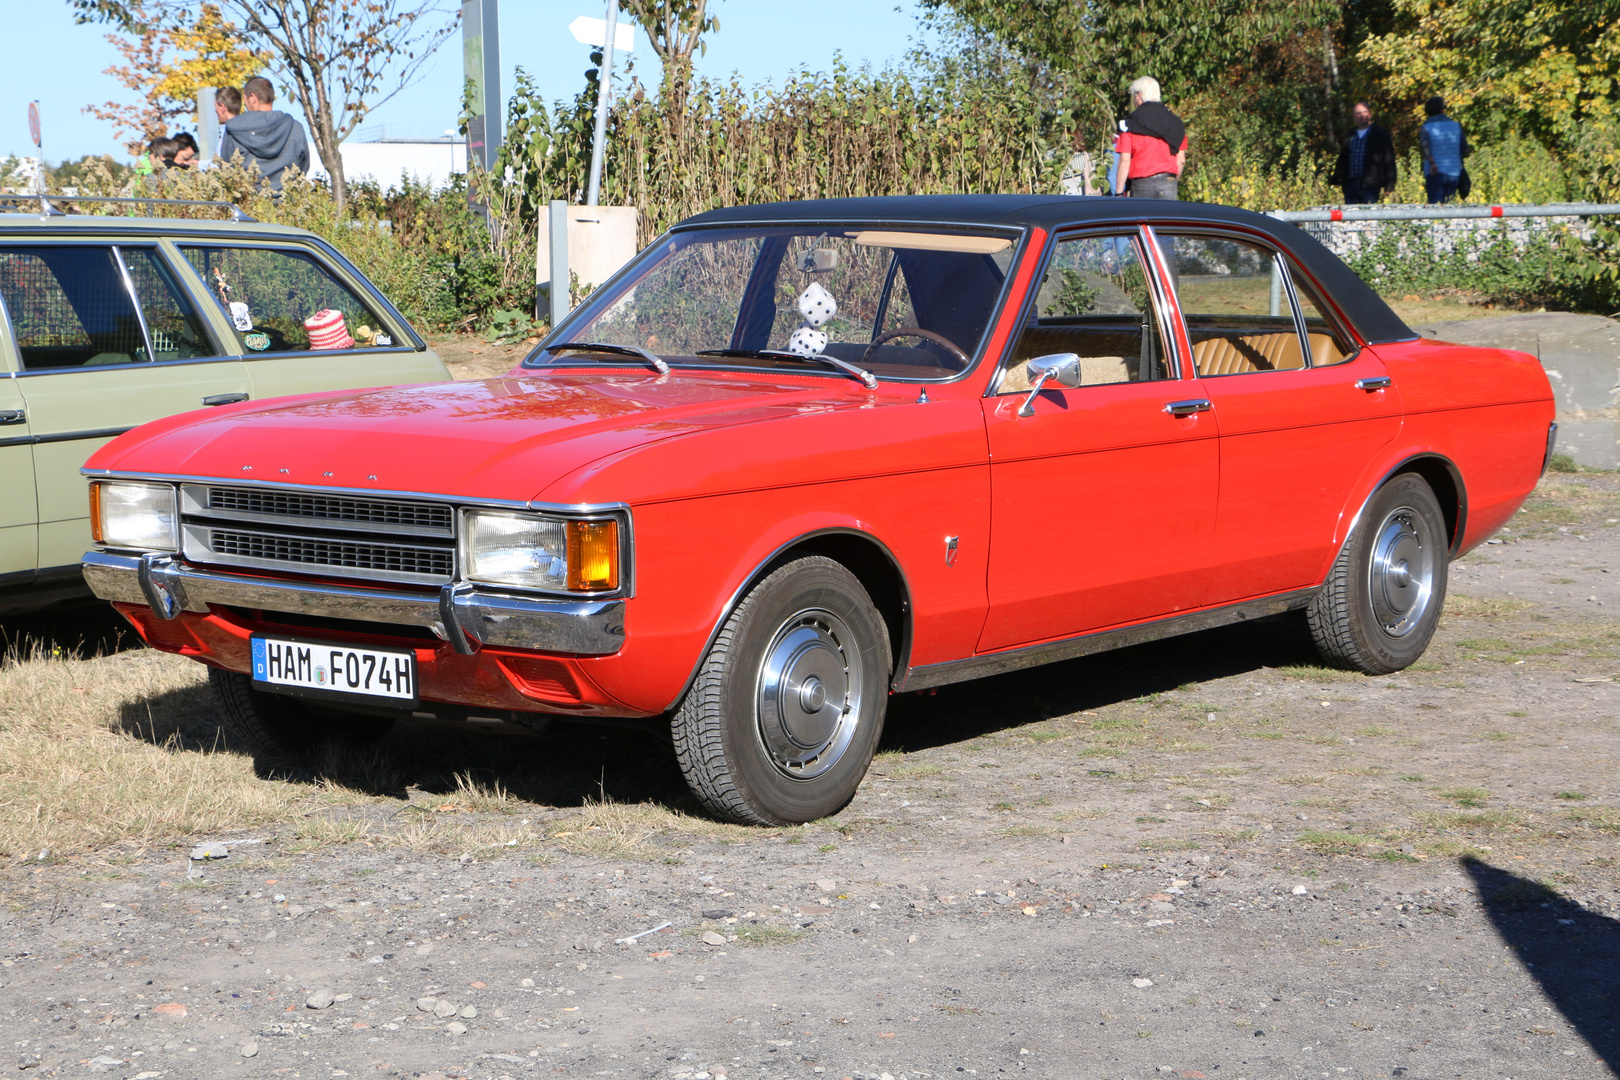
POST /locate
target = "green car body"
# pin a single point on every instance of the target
(107, 323)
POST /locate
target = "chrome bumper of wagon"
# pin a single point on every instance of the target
(461, 614)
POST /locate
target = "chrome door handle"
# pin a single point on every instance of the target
(1377, 382)
(1188, 407)
(13, 416)
(224, 399)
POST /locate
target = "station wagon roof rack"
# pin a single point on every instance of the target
(45, 202)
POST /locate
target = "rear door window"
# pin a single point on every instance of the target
(285, 300)
(70, 307)
(1235, 304)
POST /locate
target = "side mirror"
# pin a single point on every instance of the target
(1060, 368)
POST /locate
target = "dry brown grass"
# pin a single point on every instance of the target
(93, 752)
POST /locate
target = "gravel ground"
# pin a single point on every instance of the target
(1202, 858)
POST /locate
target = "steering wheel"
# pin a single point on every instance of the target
(916, 331)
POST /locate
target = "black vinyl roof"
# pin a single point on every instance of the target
(1366, 310)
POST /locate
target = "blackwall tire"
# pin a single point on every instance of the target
(1379, 607)
(781, 722)
(281, 732)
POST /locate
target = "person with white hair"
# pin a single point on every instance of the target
(1152, 146)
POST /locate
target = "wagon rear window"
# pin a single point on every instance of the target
(900, 303)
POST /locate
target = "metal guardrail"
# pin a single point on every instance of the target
(46, 200)
(1375, 212)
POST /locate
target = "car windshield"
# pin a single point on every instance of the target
(900, 303)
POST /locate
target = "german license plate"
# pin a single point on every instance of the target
(337, 672)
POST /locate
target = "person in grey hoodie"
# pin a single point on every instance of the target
(268, 139)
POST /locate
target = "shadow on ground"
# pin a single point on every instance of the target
(966, 710)
(1574, 953)
(570, 763)
(81, 628)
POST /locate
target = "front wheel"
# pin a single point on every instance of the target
(784, 715)
(1381, 603)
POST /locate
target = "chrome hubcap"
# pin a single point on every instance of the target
(809, 698)
(1400, 581)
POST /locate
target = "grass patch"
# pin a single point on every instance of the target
(1375, 732)
(1101, 751)
(1045, 735)
(1412, 778)
(1236, 836)
(1334, 843)
(1317, 673)
(1300, 781)
(105, 750)
(1226, 770)
(1397, 856)
(1602, 818)
(1482, 607)
(767, 935)
(1465, 796)
(1017, 831)
(1573, 796)
(1149, 819)
(1482, 821)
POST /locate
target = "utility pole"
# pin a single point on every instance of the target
(481, 66)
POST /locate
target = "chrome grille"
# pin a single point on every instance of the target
(391, 560)
(339, 556)
(317, 509)
(332, 535)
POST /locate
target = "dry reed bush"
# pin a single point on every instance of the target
(95, 752)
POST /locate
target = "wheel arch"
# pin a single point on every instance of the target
(1444, 479)
(862, 554)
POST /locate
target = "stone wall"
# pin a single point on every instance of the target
(1348, 238)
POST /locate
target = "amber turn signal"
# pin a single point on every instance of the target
(593, 555)
(95, 513)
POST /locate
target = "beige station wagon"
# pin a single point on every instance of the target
(107, 323)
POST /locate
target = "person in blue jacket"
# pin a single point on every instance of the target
(1444, 146)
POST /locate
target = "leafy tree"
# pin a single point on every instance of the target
(343, 58)
(675, 29)
(1545, 68)
(1188, 45)
(166, 64)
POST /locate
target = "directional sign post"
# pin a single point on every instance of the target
(605, 34)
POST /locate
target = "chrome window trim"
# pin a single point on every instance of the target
(1019, 234)
(135, 301)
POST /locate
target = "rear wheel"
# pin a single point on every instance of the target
(283, 732)
(780, 724)
(1382, 600)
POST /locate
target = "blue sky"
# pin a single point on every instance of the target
(61, 64)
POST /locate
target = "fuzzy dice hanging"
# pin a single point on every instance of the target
(817, 306)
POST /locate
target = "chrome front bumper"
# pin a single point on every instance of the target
(460, 614)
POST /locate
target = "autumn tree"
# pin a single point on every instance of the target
(340, 58)
(1549, 69)
(166, 64)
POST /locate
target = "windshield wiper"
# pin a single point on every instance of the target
(867, 378)
(658, 363)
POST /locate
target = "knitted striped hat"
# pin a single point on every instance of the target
(326, 330)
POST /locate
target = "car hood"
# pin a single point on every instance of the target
(503, 438)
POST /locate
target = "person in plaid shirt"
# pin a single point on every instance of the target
(1366, 166)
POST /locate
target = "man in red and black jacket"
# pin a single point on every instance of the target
(1152, 146)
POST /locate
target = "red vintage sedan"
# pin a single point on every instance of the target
(797, 458)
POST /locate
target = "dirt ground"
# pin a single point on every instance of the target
(1206, 857)
(469, 356)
